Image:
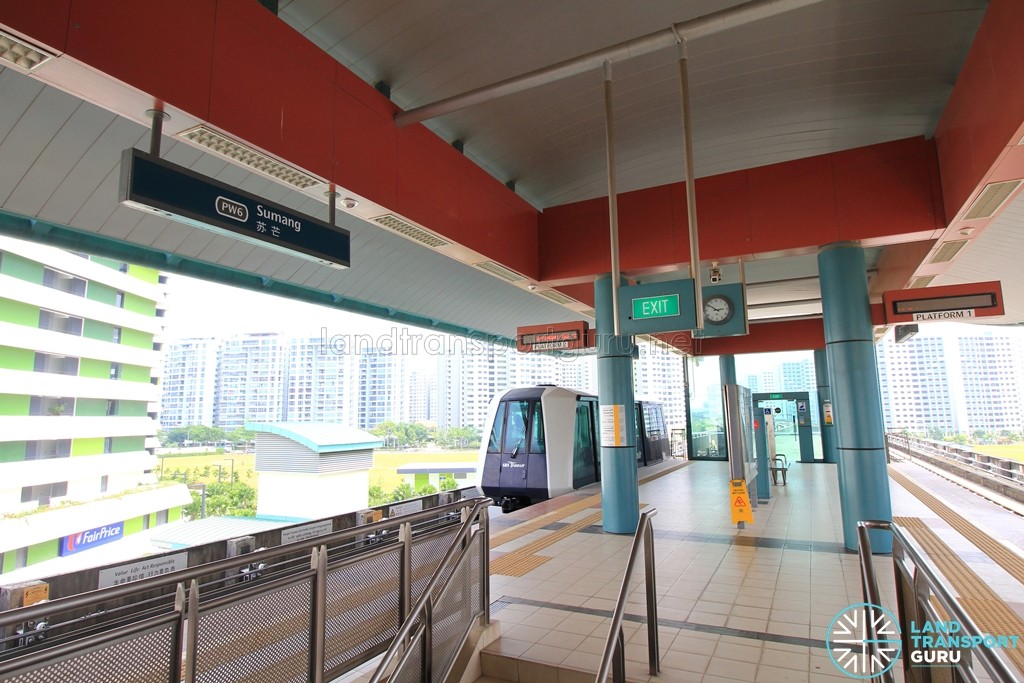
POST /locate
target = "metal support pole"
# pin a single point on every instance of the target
(691, 189)
(191, 632)
(613, 204)
(485, 567)
(332, 206)
(405, 572)
(619, 660)
(318, 654)
(428, 641)
(180, 604)
(653, 657)
(156, 130)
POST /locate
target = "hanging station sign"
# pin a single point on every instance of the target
(152, 184)
(554, 337)
(950, 303)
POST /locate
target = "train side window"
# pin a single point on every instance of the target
(494, 443)
(515, 426)
(537, 429)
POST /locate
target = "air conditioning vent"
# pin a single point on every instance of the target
(990, 199)
(407, 229)
(921, 281)
(557, 296)
(948, 251)
(499, 270)
(258, 161)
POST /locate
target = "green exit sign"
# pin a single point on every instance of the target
(774, 396)
(665, 306)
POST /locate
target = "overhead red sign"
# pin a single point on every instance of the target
(950, 303)
(554, 337)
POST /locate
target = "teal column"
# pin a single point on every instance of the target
(856, 401)
(620, 486)
(727, 369)
(828, 441)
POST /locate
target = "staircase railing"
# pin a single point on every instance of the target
(922, 596)
(428, 643)
(614, 657)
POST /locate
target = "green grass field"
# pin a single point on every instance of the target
(383, 472)
(1012, 451)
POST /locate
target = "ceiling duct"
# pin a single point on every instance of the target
(21, 54)
(557, 297)
(921, 281)
(407, 229)
(947, 251)
(990, 199)
(247, 156)
(499, 270)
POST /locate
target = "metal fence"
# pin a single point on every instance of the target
(307, 611)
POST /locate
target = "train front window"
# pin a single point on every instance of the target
(515, 426)
(494, 443)
(537, 429)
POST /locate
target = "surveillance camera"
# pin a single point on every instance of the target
(716, 275)
(349, 203)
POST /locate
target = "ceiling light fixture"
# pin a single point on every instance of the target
(22, 54)
(948, 251)
(258, 161)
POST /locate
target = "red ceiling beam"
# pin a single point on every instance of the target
(881, 194)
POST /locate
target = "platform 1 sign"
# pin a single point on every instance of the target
(159, 187)
(554, 337)
(950, 303)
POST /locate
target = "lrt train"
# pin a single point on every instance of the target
(544, 441)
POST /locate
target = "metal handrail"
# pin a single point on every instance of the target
(91, 598)
(997, 667)
(420, 617)
(614, 645)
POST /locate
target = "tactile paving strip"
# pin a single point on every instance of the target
(522, 560)
(520, 530)
(1012, 563)
(989, 612)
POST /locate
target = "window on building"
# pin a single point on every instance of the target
(21, 558)
(161, 517)
(108, 444)
(46, 450)
(115, 371)
(59, 322)
(116, 336)
(112, 407)
(119, 299)
(104, 481)
(43, 493)
(63, 282)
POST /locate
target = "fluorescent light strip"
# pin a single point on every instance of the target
(225, 146)
(557, 296)
(407, 229)
(948, 251)
(22, 54)
(499, 270)
(990, 199)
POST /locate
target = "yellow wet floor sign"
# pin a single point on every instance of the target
(739, 501)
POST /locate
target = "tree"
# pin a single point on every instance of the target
(378, 496)
(237, 500)
(403, 491)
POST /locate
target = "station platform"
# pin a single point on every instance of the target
(749, 605)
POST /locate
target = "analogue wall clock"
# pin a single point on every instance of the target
(718, 309)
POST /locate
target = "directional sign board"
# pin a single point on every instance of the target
(657, 307)
(165, 189)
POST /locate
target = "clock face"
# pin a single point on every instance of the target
(717, 310)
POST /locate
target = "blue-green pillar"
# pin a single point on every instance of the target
(727, 369)
(620, 487)
(856, 401)
(828, 441)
